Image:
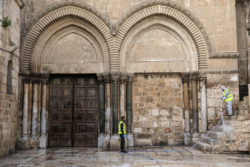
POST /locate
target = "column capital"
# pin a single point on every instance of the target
(185, 77)
(107, 78)
(123, 78)
(130, 78)
(100, 78)
(202, 77)
(193, 76)
(26, 80)
(35, 77)
(115, 77)
(45, 79)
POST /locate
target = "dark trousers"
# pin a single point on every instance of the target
(122, 142)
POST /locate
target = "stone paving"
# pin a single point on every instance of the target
(88, 157)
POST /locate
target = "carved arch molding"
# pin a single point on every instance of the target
(114, 34)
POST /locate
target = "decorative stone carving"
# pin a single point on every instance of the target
(26, 80)
(101, 79)
(115, 77)
(221, 72)
(45, 79)
(225, 55)
(123, 78)
(107, 78)
(185, 77)
(134, 15)
(130, 78)
(52, 13)
(194, 76)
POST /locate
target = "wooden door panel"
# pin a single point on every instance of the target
(90, 140)
(73, 111)
(61, 107)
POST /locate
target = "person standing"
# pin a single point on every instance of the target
(228, 97)
(122, 132)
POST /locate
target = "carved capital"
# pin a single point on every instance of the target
(26, 80)
(185, 77)
(193, 76)
(123, 78)
(101, 79)
(107, 78)
(115, 77)
(130, 78)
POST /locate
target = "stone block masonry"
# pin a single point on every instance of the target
(9, 70)
(157, 109)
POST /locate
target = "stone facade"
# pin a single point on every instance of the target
(160, 63)
(9, 70)
(158, 109)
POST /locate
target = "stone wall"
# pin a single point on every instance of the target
(9, 37)
(214, 95)
(157, 109)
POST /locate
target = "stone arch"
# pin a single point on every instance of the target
(158, 61)
(55, 33)
(173, 11)
(55, 12)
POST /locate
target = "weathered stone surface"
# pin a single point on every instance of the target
(163, 113)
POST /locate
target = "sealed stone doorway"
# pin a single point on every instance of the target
(73, 110)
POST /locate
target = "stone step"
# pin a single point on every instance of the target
(243, 112)
(244, 107)
(215, 135)
(246, 98)
(232, 123)
(204, 147)
(241, 103)
(210, 141)
(223, 129)
(234, 118)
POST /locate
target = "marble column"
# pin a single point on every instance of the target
(26, 82)
(102, 110)
(130, 137)
(115, 78)
(193, 78)
(187, 135)
(106, 137)
(34, 127)
(123, 80)
(203, 106)
(43, 135)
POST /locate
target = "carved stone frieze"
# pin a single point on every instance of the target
(45, 79)
(221, 71)
(194, 76)
(220, 55)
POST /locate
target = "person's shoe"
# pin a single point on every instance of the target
(124, 151)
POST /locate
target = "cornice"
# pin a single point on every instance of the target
(221, 55)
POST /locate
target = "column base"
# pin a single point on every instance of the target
(100, 140)
(43, 141)
(106, 141)
(195, 135)
(130, 140)
(34, 142)
(23, 143)
(115, 142)
(187, 140)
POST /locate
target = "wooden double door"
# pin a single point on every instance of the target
(73, 111)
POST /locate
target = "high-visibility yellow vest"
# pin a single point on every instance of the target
(229, 96)
(119, 128)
